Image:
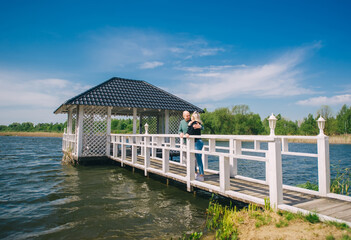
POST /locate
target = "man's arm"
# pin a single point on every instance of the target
(180, 129)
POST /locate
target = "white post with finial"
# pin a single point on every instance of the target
(147, 149)
(272, 123)
(323, 159)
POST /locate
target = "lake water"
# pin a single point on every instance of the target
(42, 199)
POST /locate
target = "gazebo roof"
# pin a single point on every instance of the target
(124, 94)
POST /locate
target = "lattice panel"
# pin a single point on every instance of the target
(94, 131)
(174, 120)
(74, 121)
(74, 128)
(152, 121)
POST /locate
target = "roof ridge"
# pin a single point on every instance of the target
(98, 86)
(87, 91)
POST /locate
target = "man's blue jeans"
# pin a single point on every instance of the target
(198, 146)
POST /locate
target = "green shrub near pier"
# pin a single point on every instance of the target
(227, 222)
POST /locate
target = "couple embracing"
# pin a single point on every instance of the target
(193, 126)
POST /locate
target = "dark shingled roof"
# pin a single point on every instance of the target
(127, 93)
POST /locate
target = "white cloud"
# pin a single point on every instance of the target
(123, 48)
(26, 96)
(210, 68)
(210, 51)
(322, 100)
(278, 78)
(150, 65)
(37, 92)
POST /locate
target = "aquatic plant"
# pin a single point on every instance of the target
(222, 220)
(341, 183)
(193, 236)
(309, 185)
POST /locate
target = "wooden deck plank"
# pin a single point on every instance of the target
(336, 209)
(310, 205)
(345, 213)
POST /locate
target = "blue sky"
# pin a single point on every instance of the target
(288, 57)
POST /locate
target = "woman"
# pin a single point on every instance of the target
(194, 128)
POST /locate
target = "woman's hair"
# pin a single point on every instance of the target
(195, 117)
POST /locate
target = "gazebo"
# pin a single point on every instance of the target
(89, 114)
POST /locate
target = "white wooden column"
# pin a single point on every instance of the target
(135, 117)
(69, 121)
(79, 131)
(224, 173)
(123, 149)
(234, 148)
(147, 154)
(108, 131)
(134, 151)
(275, 173)
(165, 160)
(166, 121)
(190, 165)
(323, 165)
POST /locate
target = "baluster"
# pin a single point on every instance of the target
(147, 154)
(224, 173)
(285, 145)
(123, 150)
(190, 156)
(165, 160)
(205, 158)
(134, 153)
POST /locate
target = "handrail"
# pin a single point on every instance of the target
(271, 156)
(228, 156)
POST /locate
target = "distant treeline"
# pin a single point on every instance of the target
(241, 121)
(238, 120)
(30, 127)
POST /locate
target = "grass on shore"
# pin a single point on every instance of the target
(32, 134)
(225, 222)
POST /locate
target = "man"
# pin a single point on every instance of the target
(183, 125)
(183, 128)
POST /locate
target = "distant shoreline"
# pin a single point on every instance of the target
(341, 139)
(32, 134)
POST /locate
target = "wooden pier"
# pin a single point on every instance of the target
(140, 151)
(328, 208)
(88, 137)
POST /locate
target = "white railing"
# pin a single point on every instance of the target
(148, 146)
(69, 143)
